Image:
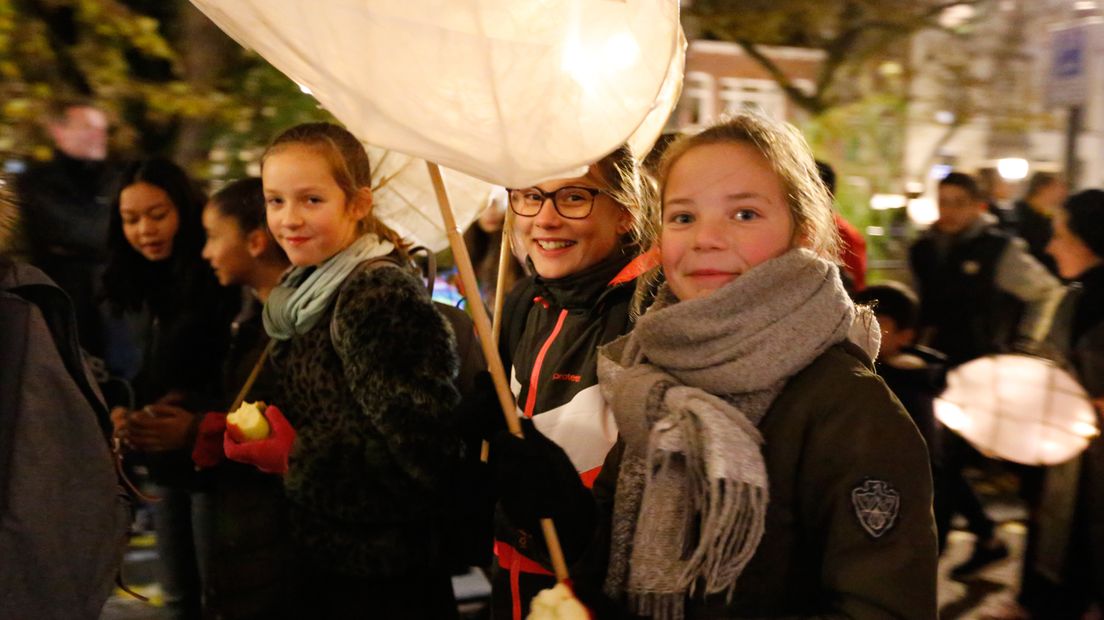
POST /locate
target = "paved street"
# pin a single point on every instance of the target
(966, 600)
(991, 588)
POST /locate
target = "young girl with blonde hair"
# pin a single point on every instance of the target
(367, 370)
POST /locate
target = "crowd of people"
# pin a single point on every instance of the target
(721, 415)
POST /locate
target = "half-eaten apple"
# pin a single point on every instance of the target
(248, 423)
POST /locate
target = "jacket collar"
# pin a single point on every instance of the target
(1092, 277)
(585, 288)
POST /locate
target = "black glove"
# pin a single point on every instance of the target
(535, 479)
(481, 414)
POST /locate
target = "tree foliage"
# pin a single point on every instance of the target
(851, 33)
(171, 81)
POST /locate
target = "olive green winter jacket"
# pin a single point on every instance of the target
(849, 529)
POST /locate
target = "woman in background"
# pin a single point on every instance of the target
(156, 276)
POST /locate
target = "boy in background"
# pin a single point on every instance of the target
(917, 376)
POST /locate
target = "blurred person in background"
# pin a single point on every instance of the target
(1031, 215)
(853, 246)
(980, 290)
(65, 207)
(1064, 568)
(239, 515)
(158, 280)
(484, 241)
(997, 194)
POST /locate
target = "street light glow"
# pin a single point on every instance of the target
(1012, 168)
(884, 202)
(922, 211)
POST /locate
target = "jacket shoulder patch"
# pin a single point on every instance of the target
(877, 505)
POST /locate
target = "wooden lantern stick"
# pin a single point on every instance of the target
(505, 256)
(484, 330)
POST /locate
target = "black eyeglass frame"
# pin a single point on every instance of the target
(551, 196)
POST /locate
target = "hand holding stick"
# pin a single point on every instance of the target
(485, 331)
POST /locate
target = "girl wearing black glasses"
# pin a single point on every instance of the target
(580, 238)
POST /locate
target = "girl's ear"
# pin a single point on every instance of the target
(801, 238)
(362, 203)
(257, 242)
(624, 221)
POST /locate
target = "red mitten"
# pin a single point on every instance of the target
(269, 455)
(208, 443)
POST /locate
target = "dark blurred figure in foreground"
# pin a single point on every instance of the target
(65, 517)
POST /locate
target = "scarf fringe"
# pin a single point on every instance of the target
(658, 606)
(733, 522)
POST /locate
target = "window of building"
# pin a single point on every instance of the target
(698, 99)
(757, 95)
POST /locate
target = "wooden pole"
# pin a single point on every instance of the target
(475, 304)
(505, 256)
(484, 330)
(252, 378)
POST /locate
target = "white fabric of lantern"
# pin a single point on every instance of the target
(403, 197)
(1019, 408)
(645, 136)
(506, 91)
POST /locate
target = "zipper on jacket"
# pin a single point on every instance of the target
(534, 376)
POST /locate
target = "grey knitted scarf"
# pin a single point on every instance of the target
(688, 386)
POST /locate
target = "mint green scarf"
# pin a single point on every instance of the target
(304, 294)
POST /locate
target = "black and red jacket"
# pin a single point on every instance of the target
(551, 333)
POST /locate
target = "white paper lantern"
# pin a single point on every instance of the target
(645, 136)
(1020, 408)
(509, 91)
(403, 197)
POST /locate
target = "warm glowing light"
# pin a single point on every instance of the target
(922, 211)
(891, 68)
(951, 415)
(956, 15)
(883, 202)
(588, 66)
(944, 117)
(1085, 429)
(1012, 168)
(1019, 408)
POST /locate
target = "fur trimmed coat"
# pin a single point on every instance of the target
(370, 392)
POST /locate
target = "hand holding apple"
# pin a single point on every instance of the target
(270, 454)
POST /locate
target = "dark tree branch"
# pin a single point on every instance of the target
(810, 103)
